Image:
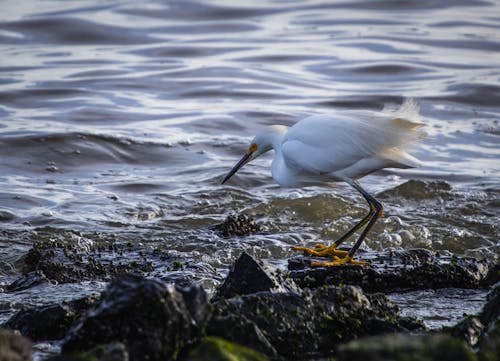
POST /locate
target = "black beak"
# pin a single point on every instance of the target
(246, 158)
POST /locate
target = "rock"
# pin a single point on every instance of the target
(491, 310)
(218, 349)
(152, 319)
(489, 343)
(30, 279)
(493, 276)
(240, 225)
(115, 351)
(418, 190)
(240, 329)
(307, 324)
(400, 347)
(70, 257)
(71, 262)
(246, 276)
(14, 347)
(395, 271)
(468, 330)
(50, 322)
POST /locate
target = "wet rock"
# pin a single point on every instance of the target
(307, 324)
(67, 262)
(418, 190)
(115, 351)
(50, 322)
(218, 349)
(72, 257)
(493, 276)
(238, 328)
(400, 347)
(489, 343)
(468, 330)
(14, 347)
(246, 276)
(240, 225)
(26, 281)
(152, 319)
(395, 271)
(491, 310)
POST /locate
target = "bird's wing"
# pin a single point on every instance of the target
(324, 143)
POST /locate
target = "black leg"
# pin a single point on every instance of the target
(359, 225)
(376, 210)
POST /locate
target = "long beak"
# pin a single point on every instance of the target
(246, 158)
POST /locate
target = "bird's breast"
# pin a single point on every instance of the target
(290, 177)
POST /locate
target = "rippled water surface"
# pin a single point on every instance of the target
(121, 118)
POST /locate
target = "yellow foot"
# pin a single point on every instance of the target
(321, 250)
(338, 261)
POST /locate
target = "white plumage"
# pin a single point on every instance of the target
(340, 147)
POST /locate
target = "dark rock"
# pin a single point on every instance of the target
(489, 343)
(60, 256)
(238, 328)
(469, 330)
(246, 276)
(50, 322)
(75, 357)
(395, 271)
(240, 225)
(400, 347)
(26, 281)
(308, 324)
(67, 262)
(491, 310)
(418, 190)
(152, 319)
(218, 349)
(14, 347)
(115, 351)
(493, 276)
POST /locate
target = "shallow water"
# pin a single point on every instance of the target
(121, 118)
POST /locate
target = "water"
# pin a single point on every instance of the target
(121, 118)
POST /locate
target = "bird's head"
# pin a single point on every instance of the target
(262, 143)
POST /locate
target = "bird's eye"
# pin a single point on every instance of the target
(252, 148)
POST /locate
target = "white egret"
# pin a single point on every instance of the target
(323, 149)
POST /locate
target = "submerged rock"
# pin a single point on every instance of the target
(240, 225)
(50, 322)
(152, 319)
(418, 190)
(307, 324)
(218, 349)
(414, 269)
(14, 347)
(400, 347)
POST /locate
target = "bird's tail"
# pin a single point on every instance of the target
(406, 120)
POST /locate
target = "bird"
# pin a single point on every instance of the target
(344, 146)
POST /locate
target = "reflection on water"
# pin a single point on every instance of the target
(121, 118)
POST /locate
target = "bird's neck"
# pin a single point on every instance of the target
(276, 136)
